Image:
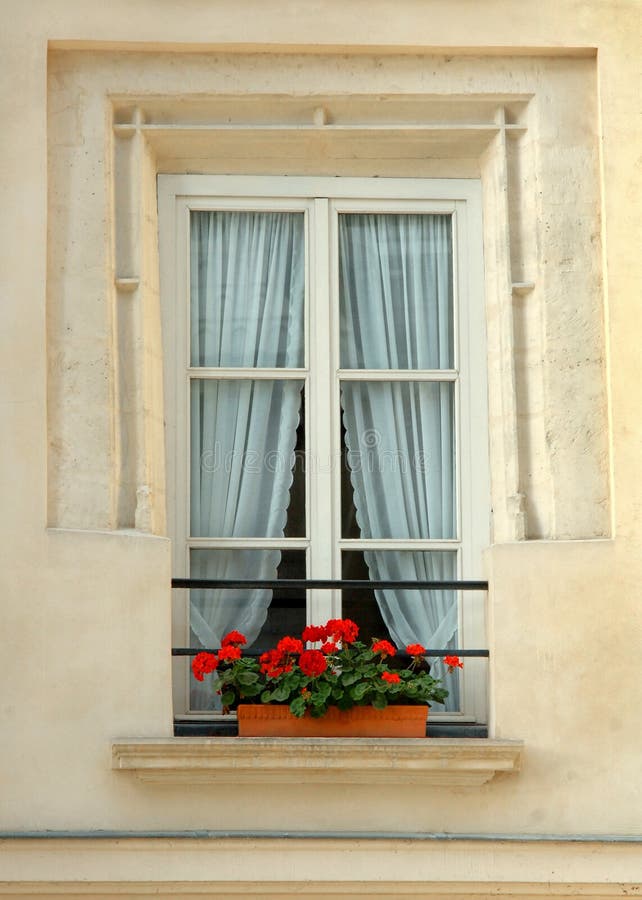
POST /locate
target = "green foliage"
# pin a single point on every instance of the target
(379, 701)
(353, 675)
(298, 706)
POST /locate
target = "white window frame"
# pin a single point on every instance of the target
(322, 199)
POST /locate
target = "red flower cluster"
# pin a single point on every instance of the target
(343, 670)
(384, 647)
(453, 662)
(290, 645)
(235, 638)
(203, 664)
(277, 662)
(273, 664)
(344, 630)
(338, 629)
(312, 663)
(229, 653)
(314, 633)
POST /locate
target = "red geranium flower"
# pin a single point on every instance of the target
(329, 647)
(290, 645)
(312, 663)
(271, 664)
(234, 637)
(343, 630)
(203, 664)
(278, 670)
(415, 650)
(314, 633)
(391, 677)
(350, 631)
(228, 654)
(384, 647)
(269, 660)
(334, 628)
(453, 662)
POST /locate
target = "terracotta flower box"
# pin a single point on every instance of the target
(265, 720)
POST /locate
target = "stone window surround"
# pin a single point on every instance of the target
(148, 137)
(442, 762)
(530, 133)
(485, 130)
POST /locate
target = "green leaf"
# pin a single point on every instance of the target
(281, 693)
(251, 690)
(323, 690)
(379, 701)
(247, 677)
(359, 691)
(297, 707)
(345, 702)
(228, 698)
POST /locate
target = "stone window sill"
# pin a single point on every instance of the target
(443, 761)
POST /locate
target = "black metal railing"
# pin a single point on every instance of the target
(186, 727)
(331, 584)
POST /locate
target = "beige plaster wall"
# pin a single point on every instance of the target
(86, 613)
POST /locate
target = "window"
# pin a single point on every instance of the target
(326, 406)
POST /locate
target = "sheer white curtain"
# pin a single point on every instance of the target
(247, 307)
(397, 313)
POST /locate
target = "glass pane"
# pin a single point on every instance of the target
(287, 612)
(244, 437)
(361, 606)
(296, 523)
(263, 616)
(399, 460)
(396, 291)
(247, 289)
(427, 617)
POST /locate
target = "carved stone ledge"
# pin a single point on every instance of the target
(439, 761)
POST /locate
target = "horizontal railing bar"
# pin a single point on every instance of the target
(447, 651)
(324, 584)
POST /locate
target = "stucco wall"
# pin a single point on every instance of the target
(86, 612)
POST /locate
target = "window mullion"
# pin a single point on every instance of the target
(321, 450)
